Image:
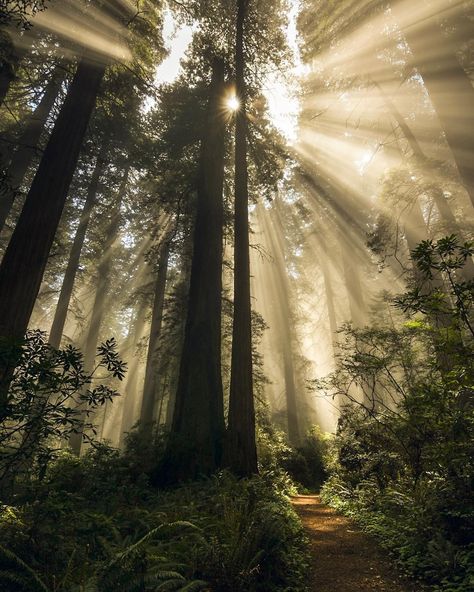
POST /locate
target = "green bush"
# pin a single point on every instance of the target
(92, 522)
(306, 463)
(402, 461)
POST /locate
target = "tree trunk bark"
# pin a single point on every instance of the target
(241, 441)
(25, 258)
(284, 321)
(150, 386)
(65, 294)
(351, 262)
(131, 387)
(103, 281)
(198, 420)
(28, 143)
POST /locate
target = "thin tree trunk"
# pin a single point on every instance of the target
(351, 263)
(65, 294)
(282, 296)
(198, 419)
(172, 353)
(103, 281)
(25, 259)
(439, 199)
(131, 388)
(329, 292)
(150, 384)
(241, 440)
(28, 143)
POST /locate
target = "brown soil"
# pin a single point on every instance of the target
(343, 558)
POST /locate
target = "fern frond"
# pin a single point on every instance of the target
(35, 580)
(129, 550)
(194, 586)
(166, 575)
(169, 585)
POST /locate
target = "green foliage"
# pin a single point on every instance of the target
(48, 391)
(455, 297)
(94, 523)
(306, 463)
(401, 463)
(18, 12)
(18, 574)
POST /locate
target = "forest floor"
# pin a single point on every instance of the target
(344, 559)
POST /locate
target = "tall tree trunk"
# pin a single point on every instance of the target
(329, 292)
(131, 388)
(198, 419)
(150, 384)
(282, 296)
(25, 259)
(241, 441)
(439, 199)
(351, 263)
(450, 91)
(65, 294)
(103, 281)
(28, 143)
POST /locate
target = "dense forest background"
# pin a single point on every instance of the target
(236, 263)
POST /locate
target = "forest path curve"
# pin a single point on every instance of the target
(344, 559)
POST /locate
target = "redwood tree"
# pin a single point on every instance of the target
(67, 285)
(197, 429)
(241, 443)
(28, 143)
(25, 258)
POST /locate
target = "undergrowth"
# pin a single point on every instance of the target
(402, 458)
(95, 524)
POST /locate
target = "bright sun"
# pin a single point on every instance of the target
(233, 103)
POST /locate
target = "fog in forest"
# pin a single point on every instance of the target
(236, 231)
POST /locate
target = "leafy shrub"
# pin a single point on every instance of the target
(93, 523)
(46, 400)
(306, 463)
(402, 461)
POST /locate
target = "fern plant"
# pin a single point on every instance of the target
(17, 576)
(144, 567)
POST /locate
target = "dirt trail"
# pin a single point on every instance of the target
(344, 558)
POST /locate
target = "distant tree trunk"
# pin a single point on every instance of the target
(351, 264)
(131, 387)
(103, 281)
(65, 294)
(172, 352)
(28, 143)
(439, 199)
(450, 90)
(241, 441)
(329, 292)
(405, 128)
(198, 419)
(150, 384)
(282, 297)
(25, 258)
